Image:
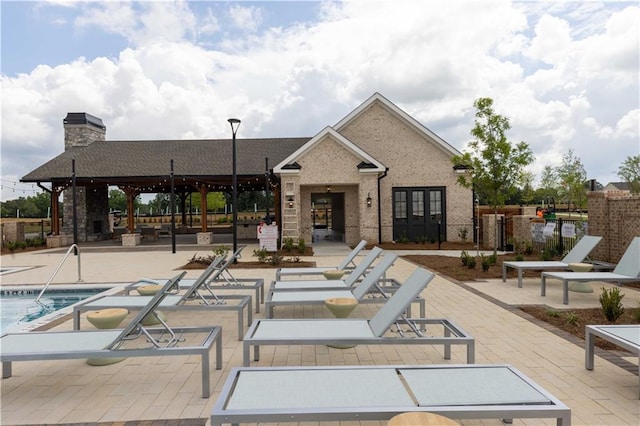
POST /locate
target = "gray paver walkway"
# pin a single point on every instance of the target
(168, 389)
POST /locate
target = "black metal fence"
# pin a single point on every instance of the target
(556, 241)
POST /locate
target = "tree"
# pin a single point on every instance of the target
(117, 200)
(494, 165)
(528, 194)
(548, 183)
(629, 172)
(572, 177)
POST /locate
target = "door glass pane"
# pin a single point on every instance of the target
(400, 206)
(417, 206)
(435, 205)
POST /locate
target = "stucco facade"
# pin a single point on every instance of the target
(360, 163)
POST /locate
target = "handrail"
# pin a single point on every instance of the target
(73, 246)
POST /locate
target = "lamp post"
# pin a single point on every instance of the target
(235, 123)
(477, 226)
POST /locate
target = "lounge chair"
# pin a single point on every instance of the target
(379, 392)
(627, 269)
(625, 336)
(577, 254)
(362, 293)
(346, 264)
(191, 299)
(350, 282)
(135, 340)
(349, 331)
(212, 278)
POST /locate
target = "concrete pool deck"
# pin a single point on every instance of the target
(167, 390)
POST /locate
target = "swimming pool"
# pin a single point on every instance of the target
(19, 309)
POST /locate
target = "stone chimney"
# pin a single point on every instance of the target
(82, 129)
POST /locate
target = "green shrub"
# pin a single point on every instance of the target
(519, 258)
(221, 250)
(636, 316)
(464, 258)
(301, 246)
(485, 262)
(552, 313)
(493, 259)
(611, 302)
(403, 239)
(262, 254)
(547, 254)
(275, 259)
(462, 233)
(471, 263)
(287, 244)
(571, 318)
(528, 249)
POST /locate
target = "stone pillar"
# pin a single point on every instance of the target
(80, 130)
(489, 230)
(13, 231)
(204, 238)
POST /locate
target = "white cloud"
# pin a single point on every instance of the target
(552, 43)
(565, 80)
(141, 23)
(246, 18)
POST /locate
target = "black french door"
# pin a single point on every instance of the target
(418, 214)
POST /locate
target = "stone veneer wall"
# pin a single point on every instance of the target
(13, 231)
(614, 215)
(414, 160)
(92, 205)
(82, 135)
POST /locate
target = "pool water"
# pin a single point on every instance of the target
(19, 307)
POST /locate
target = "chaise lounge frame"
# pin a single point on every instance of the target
(212, 274)
(625, 336)
(346, 265)
(577, 254)
(347, 331)
(377, 393)
(627, 270)
(54, 345)
(173, 302)
(296, 293)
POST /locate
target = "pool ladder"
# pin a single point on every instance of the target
(77, 250)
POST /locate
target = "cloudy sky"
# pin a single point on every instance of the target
(565, 73)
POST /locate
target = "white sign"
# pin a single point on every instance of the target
(569, 230)
(537, 232)
(549, 228)
(268, 236)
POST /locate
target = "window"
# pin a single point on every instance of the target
(401, 206)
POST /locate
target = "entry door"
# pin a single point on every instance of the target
(418, 213)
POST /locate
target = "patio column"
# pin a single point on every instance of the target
(131, 221)
(55, 211)
(203, 208)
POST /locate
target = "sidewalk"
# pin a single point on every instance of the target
(168, 389)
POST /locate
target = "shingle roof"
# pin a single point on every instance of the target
(133, 160)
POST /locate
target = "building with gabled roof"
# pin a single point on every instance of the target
(382, 175)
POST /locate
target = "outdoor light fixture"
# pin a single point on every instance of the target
(235, 123)
(290, 200)
(460, 169)
(368, 199)
(328, 188)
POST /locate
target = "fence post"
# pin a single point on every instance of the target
(560, 241)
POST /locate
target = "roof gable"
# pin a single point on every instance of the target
(412, 122)
(368, 164)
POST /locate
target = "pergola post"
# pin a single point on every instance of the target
(131, 221)
(55, 211)
(203, 208)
